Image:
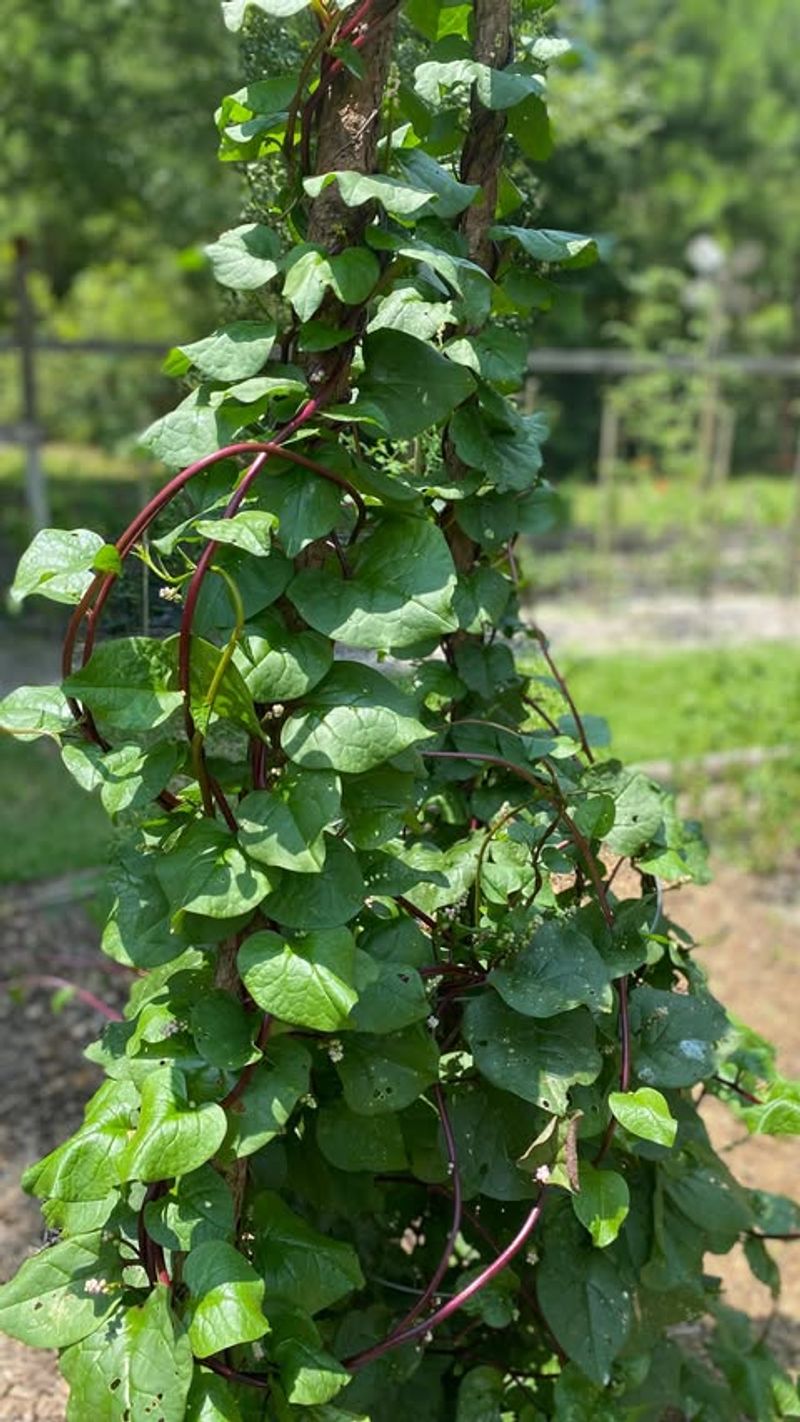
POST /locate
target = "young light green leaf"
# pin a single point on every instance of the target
(400, 593)
(225, 1298)
(130, 683)
(61, 1294)
(301, 1266)
(352, 721)
(251, 530)
(284, 826)
(537, 1060)
(559, 969)
(245, 257)
(310, 272)
(309, 1375)
(89, 1164)
(307, 981)
(645, 1114)
(173, 1137)
(602, 1204)
(33, 711)
(398, 199)
(234, 352)
(57, 565)
(138, 1365)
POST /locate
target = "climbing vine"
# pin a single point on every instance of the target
(401, 1117)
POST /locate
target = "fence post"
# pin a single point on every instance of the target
(35, 483)
(607, 460)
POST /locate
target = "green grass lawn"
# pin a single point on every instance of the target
(682, 704)
(669, 705)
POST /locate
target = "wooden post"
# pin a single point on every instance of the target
(35, 484)
(607, 461)
(793, 532)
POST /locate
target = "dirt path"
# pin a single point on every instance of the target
(672, 620)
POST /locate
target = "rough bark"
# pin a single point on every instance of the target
(483, 149)
(348, 128)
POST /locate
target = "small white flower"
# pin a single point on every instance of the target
(543, 1174)
(95, 1286)
(170, 594)
(335, 1050)
(433, 1022)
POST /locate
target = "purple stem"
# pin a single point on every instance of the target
(48, 981)
(409, 1335)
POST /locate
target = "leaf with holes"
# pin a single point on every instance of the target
(537, 1060)
(61, 1294)
(675, 1036)
(139, 1364)
(381, 1074)
(559, 969)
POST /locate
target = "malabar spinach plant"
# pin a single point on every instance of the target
(401, 1119)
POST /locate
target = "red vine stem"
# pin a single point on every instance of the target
(410, 1335)
(566, 693)
(48, 981)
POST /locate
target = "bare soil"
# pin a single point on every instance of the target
(749, 932)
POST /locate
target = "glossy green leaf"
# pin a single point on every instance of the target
(233, 352)
(207, 873)
(130, 683)
(225, 1297)
(284, 826)
(352, 721)
(308, 981)
(309, 1375)
(305, 505)
(410, 382)
(32, 711)
(387, 1073)
(262, 1111)
(537, 1060)
(279, 665)
(398, 199)
(251, 530)
(61, 1294)
(645, 1114)
(326, 899)
(138, 1365)
(390, 996)
(301, 1266)
(211, 1399)
(90, 1163)
(400, 593)
(602, 1203)
(197, 1208)
(559, 969)
(57, 565)
(547, 245)
(245, 257)
(310, 273)
(173, 1136)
